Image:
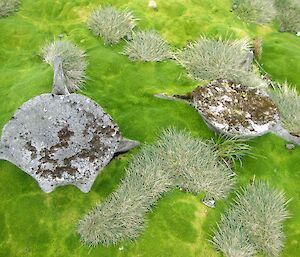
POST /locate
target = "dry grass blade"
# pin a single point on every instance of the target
(208, 59)
(194, 165)
(262, 211)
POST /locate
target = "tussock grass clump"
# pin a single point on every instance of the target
(256, 11)
(111, 24)
(230, 237)
(177, 159)
(194, 165)
(121, 216)
(209, 59)
(73, 62)
(231, 149)
(288, 102)
(147, 46)
(288, 15)
(7, 7)
(262, 211)
(254, 223)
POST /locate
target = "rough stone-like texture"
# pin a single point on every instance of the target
(286, 135)
(290, 146)
(234, 109)
(60, 140)
(152, 5)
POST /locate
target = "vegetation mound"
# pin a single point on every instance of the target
(73, 62)
(176, 160)
(147, 46)
(8, 7)
(254, 223)
(288, 102)
(111, 24)
(257, 11)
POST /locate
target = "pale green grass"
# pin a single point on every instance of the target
(33, 223)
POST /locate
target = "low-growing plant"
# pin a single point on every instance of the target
(121, 216)
(254, 223)
(209, 59)
(147, 46)
(250, 79)
(231, 149)
(288, 15)
(111, 24)
(194, 165)
(230, 237)
(177, 159)
(262, 211)
(7, 7)
(256, 11)
(288, 102)
(73, 62)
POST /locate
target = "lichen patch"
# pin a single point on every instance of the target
(60, 140)
(235, 109)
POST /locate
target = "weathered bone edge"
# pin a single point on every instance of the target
(275, 127)
(60, 140)
(2, 152)
(279, 131)
(126, 144)
(59, 84)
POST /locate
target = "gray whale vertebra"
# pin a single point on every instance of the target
(61, 138)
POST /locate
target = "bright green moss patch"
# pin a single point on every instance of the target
(46, 222)
(281, 57)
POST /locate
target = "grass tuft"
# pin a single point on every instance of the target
(177, 159)
(255, 11)
(254, 223)
(121, 216)
(194, 165)
(209, 59)
(288, 15)
(111, 24)
(262, 211)
(231, 149)
(73, 62)
(147, 46)
(230, 237)
(8, 7)
(288, 102)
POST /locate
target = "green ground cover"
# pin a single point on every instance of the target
(33, 223)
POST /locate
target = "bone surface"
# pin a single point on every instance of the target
(60, 140)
